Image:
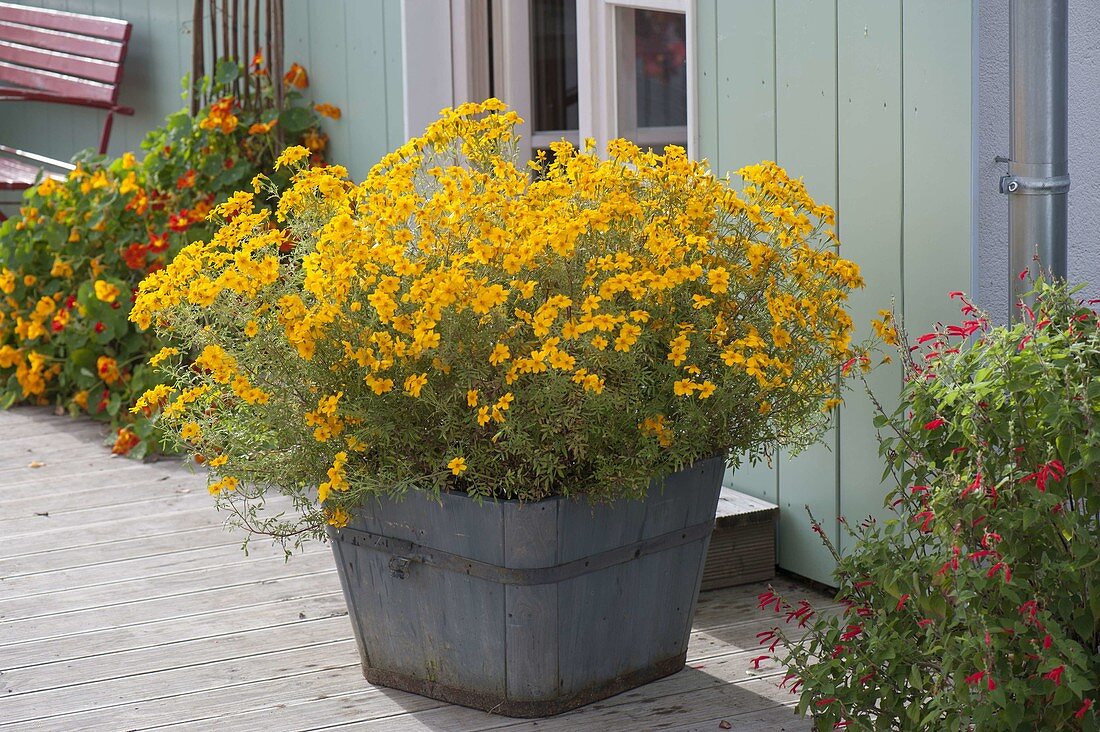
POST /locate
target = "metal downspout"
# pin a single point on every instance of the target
(1038, 171)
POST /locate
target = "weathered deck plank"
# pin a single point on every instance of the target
(130, 606)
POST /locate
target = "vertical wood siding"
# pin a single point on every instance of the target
(869, 101)
(352, 51)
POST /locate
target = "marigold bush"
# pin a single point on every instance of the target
(75, 254)
(978, 602)
(452, 324)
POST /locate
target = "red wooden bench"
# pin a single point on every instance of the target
(63, 58)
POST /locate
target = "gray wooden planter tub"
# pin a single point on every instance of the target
(527, 609)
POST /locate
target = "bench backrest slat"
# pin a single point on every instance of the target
(66, 86)
(52, 40)
(85, 25)
(76, 56)
(62, 63)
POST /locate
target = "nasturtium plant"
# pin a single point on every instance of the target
(454, 322)
(978, 602)
(71, 260)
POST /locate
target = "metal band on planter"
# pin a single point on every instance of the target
(404, 554)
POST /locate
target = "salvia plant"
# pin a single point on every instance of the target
(976, 604)
(455, 322)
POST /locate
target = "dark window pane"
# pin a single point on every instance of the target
(554, 64)
(660, 48)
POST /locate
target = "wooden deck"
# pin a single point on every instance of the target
(125, 605)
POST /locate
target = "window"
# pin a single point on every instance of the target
(576, 69)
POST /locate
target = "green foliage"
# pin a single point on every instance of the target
(978, 603)
(73, 257)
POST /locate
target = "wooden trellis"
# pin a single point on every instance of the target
(238, 30)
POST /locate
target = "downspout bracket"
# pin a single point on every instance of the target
(1029, 186)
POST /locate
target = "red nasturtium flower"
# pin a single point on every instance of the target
(180, 221)
(158, 242)
(134, 256)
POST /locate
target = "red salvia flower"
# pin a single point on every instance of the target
(1055, 675)
(934, 424)
(975, 678)
(1084, 709)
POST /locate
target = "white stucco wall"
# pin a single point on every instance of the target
(991, 271)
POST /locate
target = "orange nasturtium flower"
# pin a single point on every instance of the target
(327, 110)
(296, 77)
(126, 441)
(261, 128)
(107, 368)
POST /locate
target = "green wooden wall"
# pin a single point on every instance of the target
(869, 101)
(352, 51)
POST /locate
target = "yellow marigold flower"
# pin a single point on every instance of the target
(764, 408)
(218, 461)
(163, 354)
(378, 385)
(152, 399)
(337, 517)
(251, 328)
(483, 416)
(220, 364)
(500, 354)
(471, 398)
(191, 432)
(831, 404)
(719, 280)
(457, 465)
(628, 336)
(106, 291)
(599, 342)
(706, 390)
(414, 384)
(684, 387)
(227, 483)
(593, 383)
(337, 478)
(700, 302)
(291, 155)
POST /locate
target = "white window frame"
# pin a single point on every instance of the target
(599, 65)
(446, 63)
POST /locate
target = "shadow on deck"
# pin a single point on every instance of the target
(125, 604)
